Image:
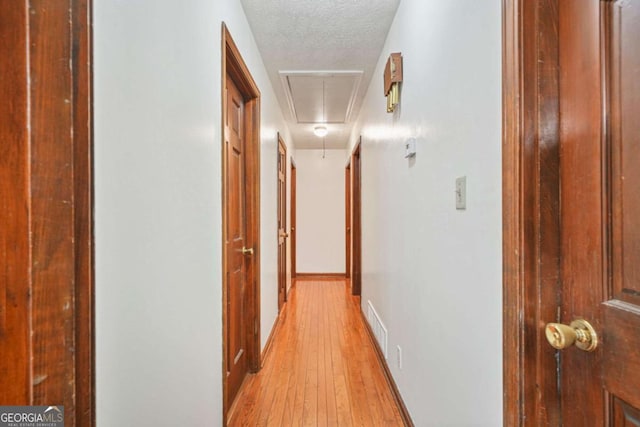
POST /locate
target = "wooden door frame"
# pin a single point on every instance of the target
(292, 231)
(234, 66)
(356, 228)
(347, 218)
(47, 229)
(530, 208)
(84, 212)
(515, 382)
(284, 225)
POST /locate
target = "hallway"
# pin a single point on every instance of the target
(322, 368)
(162, 306)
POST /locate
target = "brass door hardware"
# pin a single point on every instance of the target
(579, 332)
(247, 251)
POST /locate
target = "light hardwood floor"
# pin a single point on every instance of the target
(322, 369)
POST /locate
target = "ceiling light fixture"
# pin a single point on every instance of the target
(320, 131)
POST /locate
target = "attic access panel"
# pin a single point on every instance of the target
(304, 92)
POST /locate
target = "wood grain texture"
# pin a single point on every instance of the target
(542, 186)
(624, 415)
(82, 58)
(322, 369)
(52, 199)
(15, 288)
(583, 288)
(621, 358)
(512, 215)
(531, 209)
(46, 165)
(320, 276)
(621, 314)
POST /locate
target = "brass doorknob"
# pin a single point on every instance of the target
(579, 332)
(247, 251)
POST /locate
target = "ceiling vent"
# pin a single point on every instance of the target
(321, 96)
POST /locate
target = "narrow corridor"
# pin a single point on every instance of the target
(322, 368)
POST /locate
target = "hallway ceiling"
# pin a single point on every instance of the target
(320, 56)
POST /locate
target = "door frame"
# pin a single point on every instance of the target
(356, 219)
(530, 209)
(347, 218)
(292, 231)
(48, 191)
(515, 365)
(282, 214)
(234, 66)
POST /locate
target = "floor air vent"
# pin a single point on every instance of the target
(379, 331)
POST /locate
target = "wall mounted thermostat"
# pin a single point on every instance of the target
(410, 148)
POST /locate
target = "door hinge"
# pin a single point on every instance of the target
(255, 327)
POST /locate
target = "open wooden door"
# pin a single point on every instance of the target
(282, 223)
(572, 231)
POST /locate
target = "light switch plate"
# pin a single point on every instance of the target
(461, 192)
(410, 148)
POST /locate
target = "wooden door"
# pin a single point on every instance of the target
(356, 245)
(347, 215)
(620, 151)
(237, 254)
(576, 151)
(292, 233)
(240, 221)
(282, 223)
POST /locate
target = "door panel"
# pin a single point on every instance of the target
(621, 313)
(236, 229)
(577, 70)
(624, 415)
(600, 207)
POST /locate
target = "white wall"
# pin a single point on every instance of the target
(433, 272)
(320, 211)
(158, 207)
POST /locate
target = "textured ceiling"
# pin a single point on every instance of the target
(319, 36)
